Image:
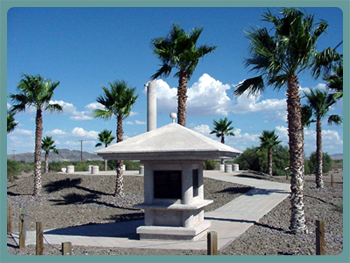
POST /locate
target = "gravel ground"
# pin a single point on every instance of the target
(72, 200)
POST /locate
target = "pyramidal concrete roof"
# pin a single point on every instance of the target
(171, 142)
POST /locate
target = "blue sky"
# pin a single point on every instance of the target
(85, 48)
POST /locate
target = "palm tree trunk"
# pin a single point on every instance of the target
(119, 181)
(106, 160)
(46, 162)
(269, 160)
(105, 165)
(37, 151)
(319, 157)
(182, 98)
(222, 141)
(296, 152)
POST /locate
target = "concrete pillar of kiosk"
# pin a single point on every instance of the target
(187, 184)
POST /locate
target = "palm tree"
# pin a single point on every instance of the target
(320, 103)
(11, 124)
(222, 128)
(279, 58)
(268, 140)
(35, 91)
(178, 50)
(117, 102)
(47, 144)
(105, 137)
(335, 80)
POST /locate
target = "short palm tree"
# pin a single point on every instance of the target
(178, 50)
(105, 137)
(222, 128)
(35, 91)
(279, 58)
(11, 124)
(47, 144)
(268, 140)
(117, 101)
(334, 80)
(320, 103)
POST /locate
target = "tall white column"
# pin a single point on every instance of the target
(151, 105)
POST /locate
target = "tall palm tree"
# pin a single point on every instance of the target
(105, 137)
(320, 103)
(222, 128)
(268, 140)
(279, 58)
(117, 101)
(47, 144)
(178, 50)
(11, 124)
(35, 91)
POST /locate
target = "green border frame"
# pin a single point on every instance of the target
(5, 5)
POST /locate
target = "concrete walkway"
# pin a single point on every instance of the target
(229, 221)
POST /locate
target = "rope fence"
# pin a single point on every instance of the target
(212, 236)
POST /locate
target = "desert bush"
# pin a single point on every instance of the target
(130, 165)
(256, 160)
(327, 163)
(209, 165)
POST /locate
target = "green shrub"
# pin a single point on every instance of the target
(327, 163)
(209, 165)
(252, 159)
(129, 164)
(13, 168)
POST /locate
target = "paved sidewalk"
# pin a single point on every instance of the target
(229, 221)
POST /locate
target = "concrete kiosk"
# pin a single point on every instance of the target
(173, 158)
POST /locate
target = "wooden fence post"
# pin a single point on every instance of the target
(320, 243)
(39, 239)
(212, 243)
(332, 180)
(22, 235)
(66, 248)
(9, 217)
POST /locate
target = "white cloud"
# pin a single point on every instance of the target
(140, 122)
(251, 103)
(210, 97)
(23, 132)
(81, 133)
(56, 132)
(166, 97)
(69, 108)
(245, 137)
(203, 129)
(93, 106)
(132, 113)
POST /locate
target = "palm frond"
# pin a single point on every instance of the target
(252, 85)
(335, 119)
(54, 107)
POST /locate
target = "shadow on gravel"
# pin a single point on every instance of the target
(70, 199)
(236, 190)
(248, 221)
(62, 184)
(257, 176)
(122, 229)
(70, 183)
(321, 200)
(15, 194)
(127, 217)
(259, 191)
